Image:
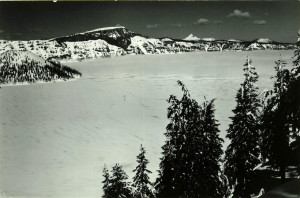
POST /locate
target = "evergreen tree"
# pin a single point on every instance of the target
(165, 182)
(296, 62)
(141, 181)
(170, 182)
(294, 92)
(192, 150)
(115, 185)
(106, 182)
(275, 121)
(295, 103)
(206, 177)
(281, 116)
(242, 154)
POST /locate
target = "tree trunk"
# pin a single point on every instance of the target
(282, 174)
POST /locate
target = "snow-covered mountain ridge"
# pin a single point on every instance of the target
(118, 36)
(114, 41)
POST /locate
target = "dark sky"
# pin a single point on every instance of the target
(276, 20)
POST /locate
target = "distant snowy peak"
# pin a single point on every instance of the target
(191, 37)
(264, 40)
(208, 39)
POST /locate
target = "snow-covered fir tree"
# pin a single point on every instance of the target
(296, 62)
(242, 154)
(115, 184)
(170, 182)
(275, 124)
(206, 176)
(106, 182)
(141, 183)
(294, 90)
(191, 154)
(281, 116)
(165, 184)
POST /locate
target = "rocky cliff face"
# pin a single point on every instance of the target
(115, 41)
(118, 36)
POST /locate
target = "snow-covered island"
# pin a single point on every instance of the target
(19, 67)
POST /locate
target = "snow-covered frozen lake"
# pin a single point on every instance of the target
(56, 137)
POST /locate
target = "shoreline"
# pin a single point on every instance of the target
(37, 82)
(68, 61)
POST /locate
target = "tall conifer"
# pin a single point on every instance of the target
(242, 154)
(106, 183)
(115, 184)
(192, 151)
(281, 116)
(141, 183)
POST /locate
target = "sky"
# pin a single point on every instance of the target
(276, 20)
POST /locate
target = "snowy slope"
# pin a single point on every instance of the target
(145, 45)
(68, 50)
(40, 47)
(18, 57)
(91, 49)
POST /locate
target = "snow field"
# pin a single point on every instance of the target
(56, 137)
